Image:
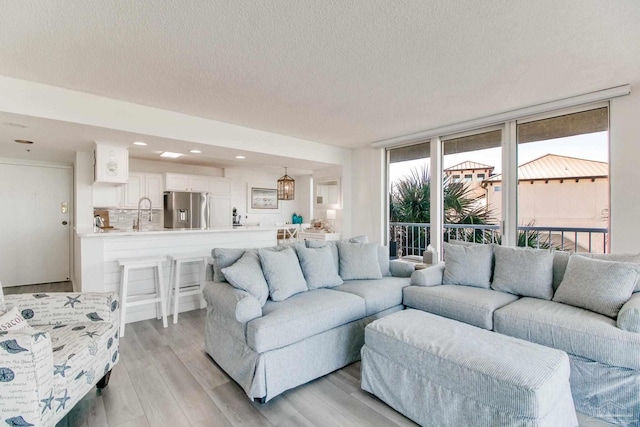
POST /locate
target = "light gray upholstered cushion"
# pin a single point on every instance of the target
(512, 377)
(318, 267)
(574, 330)
(383, 260)
(399, 268)
(378, 295)
(467, 304)
(224, 257)
(282, 270)
(468, 265)
(524, 272)
(430, 276)
(359, 261)
(302, 316)
(600, 286)
(321, 244)
(560, 261)
(630, 258)
(629, 315)
(246, 274)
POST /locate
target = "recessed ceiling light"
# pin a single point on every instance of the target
(139, 143)
(195, 151)
(240, 157)
(23, 141)
(170, 155)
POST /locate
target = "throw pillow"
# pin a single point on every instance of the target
(283, 273)
(383, 260)
(629, 258)
(599, 286)
(525, 272)
(12, 320)
(359, 261)
(468, 265)
(629, 315)
(321, 244)
(318, 267)
(246, 274)
(224, 257)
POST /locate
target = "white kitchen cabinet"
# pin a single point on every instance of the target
(220, 211)
(198, 183)
(106, 196)
(155, 189)
(143, 185)
(185, 182)
(220, 186)
(111, 164)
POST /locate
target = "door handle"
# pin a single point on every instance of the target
(64, 222)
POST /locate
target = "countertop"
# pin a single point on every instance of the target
(115, 232)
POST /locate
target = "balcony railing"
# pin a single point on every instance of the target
(413, 238)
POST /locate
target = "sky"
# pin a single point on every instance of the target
(592, 146)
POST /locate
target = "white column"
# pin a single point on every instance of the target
(437, 197)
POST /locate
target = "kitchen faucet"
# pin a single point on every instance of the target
(136, 224)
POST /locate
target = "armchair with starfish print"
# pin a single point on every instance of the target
(69, 346)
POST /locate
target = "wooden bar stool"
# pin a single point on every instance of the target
(126, 300)
(176, 291)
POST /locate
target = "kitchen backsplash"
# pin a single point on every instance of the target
(123, 218)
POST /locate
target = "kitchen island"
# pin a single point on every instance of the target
(96, 255)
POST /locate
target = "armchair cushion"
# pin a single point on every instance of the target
(62, 307)
(48, 370)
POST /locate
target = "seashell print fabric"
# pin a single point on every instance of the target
(45, 372)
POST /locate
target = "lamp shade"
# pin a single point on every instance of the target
(331, 214)
(286, 187)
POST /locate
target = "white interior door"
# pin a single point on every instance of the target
(35, 225)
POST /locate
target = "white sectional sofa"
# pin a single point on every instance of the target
(280, 317)
(587, 307)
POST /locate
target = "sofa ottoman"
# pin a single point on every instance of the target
(441, 372)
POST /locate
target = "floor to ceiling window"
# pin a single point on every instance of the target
(563, 181)
(468, 161)
(409, 179)
(541, 182)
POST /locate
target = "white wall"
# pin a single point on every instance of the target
(625, 172)
(369, 189)
(241, 178)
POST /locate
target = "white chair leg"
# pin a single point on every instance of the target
(124, 283)
(171, 284)
(176, 292)
(163, 301)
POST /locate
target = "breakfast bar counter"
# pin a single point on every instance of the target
(96, 256)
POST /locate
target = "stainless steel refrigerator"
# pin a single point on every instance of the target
(186, 210)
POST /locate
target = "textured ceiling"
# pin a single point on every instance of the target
(339, 72)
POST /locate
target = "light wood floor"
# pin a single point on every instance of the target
(165, 378)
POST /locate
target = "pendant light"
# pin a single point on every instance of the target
(286, 187)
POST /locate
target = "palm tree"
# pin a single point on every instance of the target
(410, 202)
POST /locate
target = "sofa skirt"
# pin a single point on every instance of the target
(606, 392)
(266, 375)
